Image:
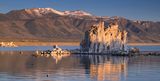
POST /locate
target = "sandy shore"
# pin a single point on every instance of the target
(144, 44)
(46, 43)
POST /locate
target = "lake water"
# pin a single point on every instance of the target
(24, 67)
(33, 48)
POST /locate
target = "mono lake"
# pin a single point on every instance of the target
(25, 67)
(33, 48)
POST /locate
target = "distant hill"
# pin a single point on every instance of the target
(47, 24)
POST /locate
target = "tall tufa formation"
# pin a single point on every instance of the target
(101, 39)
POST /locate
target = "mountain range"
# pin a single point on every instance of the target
(47, 24)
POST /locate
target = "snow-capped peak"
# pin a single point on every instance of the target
(43, 11)
(77, 13)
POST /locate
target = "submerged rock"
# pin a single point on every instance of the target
(101, 39)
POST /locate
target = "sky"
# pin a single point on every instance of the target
(131, 9)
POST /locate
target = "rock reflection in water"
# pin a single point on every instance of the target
(104, 68)
(56, 56)
(71, 68)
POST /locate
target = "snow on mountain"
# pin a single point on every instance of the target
(77, 13)
(44, 11)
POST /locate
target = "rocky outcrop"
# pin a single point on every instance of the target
(101, 39)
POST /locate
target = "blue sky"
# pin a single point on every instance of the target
(131, 9)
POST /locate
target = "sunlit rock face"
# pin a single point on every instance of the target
(101, 39)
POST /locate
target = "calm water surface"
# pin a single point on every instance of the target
(24, 67)
(33, 48)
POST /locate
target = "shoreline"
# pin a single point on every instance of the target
(46, 43)
(143, 44)
(72, 44)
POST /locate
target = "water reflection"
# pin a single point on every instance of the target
(15, 66)
(26, 67)
(104, 68)
(100, 68)
(56, 56)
